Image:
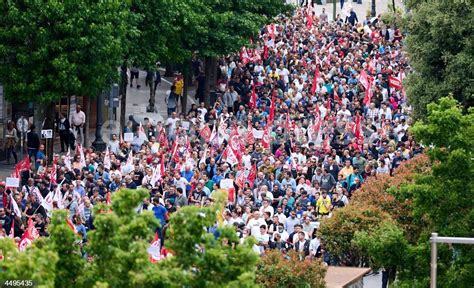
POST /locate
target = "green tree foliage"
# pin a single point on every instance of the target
(444, 196)
(205, 259)
(386, 245)
(56, 48)
(117, 251)
(441, 52)
(337, 232)
(277, 270)
(37, 264)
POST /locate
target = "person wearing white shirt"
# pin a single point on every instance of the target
(254, 223)
(314, 246)
(78, 119)
(263, 240)
(281, 231)
(114, 144)
(266, 207)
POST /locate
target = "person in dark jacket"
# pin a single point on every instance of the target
(64, 131)
(32, 142)
(302, 245)
(352, 18)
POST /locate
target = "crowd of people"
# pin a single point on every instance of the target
(301, 119)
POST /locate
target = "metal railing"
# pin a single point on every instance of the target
(435, 239)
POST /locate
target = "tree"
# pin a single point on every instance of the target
(117, 250)
(337, 232)
(442, 197)
(277, 270)
(441, 52)
(391, 194)
(386, 246)
(57, 48)
(209, 255)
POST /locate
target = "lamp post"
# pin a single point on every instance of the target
(372, 10)
(98, 143)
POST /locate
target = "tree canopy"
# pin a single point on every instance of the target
(441, 52)
(56, 48)
(205, 255)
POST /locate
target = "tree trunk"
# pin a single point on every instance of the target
(169, 72)
(123, 94)
(88, 121)
(393, 5)
(44, 120)
(151, 82)
(207, 72)
(188, 80)
(210, 73)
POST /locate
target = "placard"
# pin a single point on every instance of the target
(257, 134)
(185, 125)
(227, 183)
(12, 182)
(47, 134)
(128, 136)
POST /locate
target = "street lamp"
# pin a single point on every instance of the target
(372, 10)
(98, 143)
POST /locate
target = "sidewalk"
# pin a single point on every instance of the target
(381, 6)
(137, 99)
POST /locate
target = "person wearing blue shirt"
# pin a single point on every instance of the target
(100, 172)
(217, 177)
(39, 156)
(188, 175)
(161, 214)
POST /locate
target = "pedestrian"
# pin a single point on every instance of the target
(134, 74)
(171, 100)
(64, 131)
(78, 121)
(32, 142)
(11, 138)
(352, 17)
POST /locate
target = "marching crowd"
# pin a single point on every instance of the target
(300, 120)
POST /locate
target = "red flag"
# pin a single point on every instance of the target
(22, 165)
(271, 31)
(30, 234)
(266, 138)
(71, 225)
(395, 82)
(357, 128)
(154, 250)
(231, 194)
(249, 135)
(253, 98)
(336, 97)
(315, 81)
(162, 138)
(108, 198)
(240, 180)
(205, 133)
(309, 19)
(265, 52)
(252, 175)
(368, 95)
(364, 79)
(53, 174)
(244, 56)
(271, 115)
